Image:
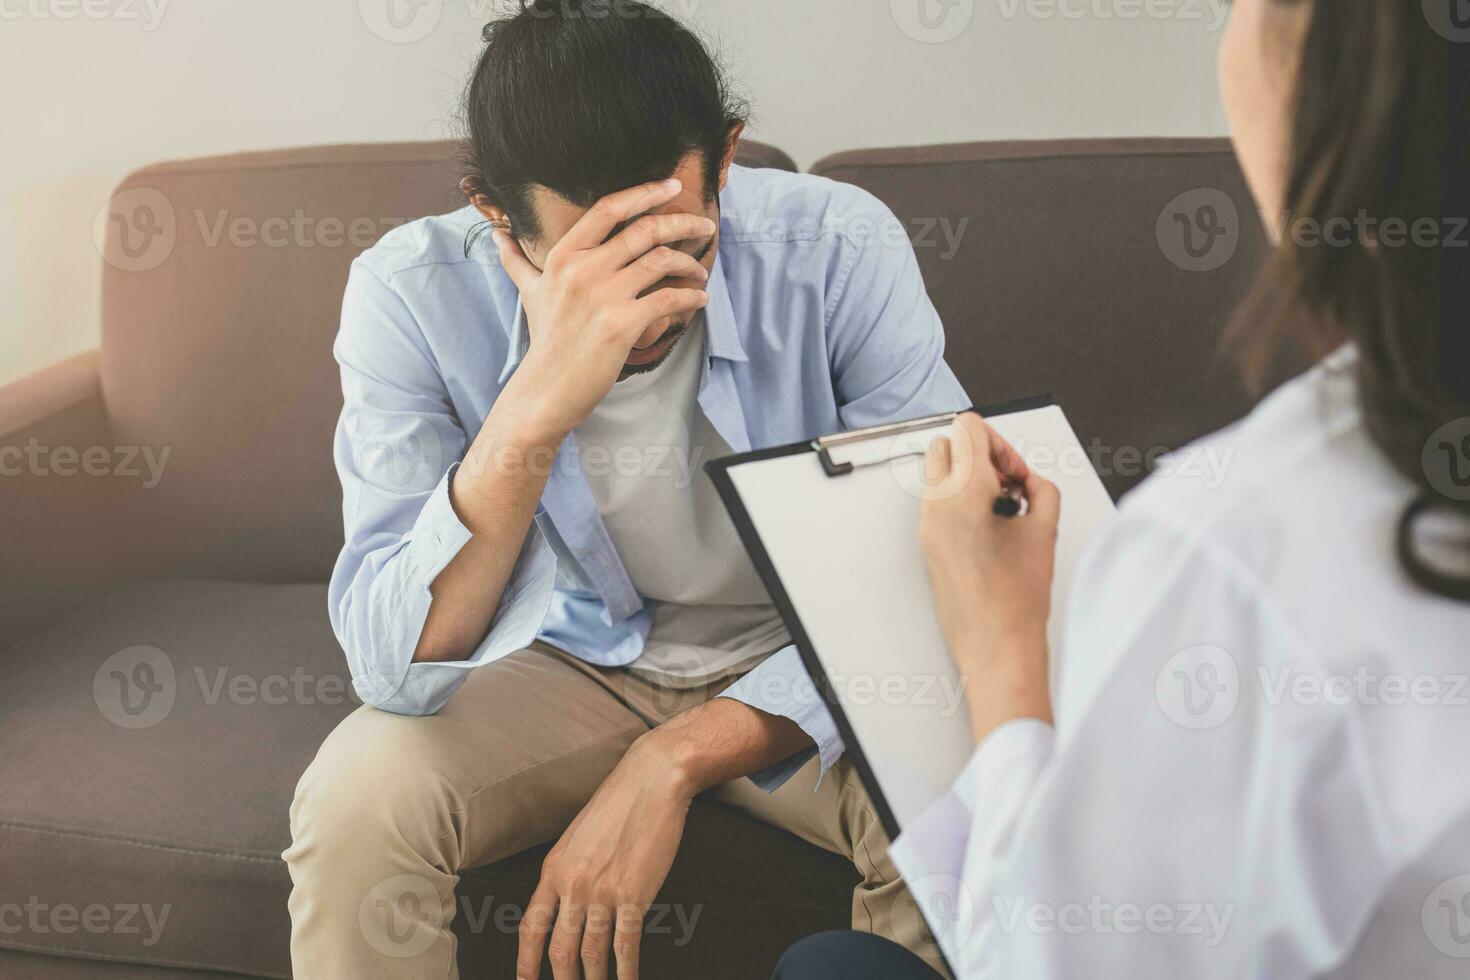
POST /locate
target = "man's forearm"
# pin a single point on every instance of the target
(495, 494)
(723, 740)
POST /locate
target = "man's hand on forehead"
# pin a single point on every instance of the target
(612, 283)
(699, 248)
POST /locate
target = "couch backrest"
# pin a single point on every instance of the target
(1058, 267)
(1064, 268)
(222, 288)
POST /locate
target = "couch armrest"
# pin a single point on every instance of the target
(58, 499)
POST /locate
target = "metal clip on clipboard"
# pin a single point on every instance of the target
(826, 444)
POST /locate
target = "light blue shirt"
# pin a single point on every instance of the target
(818, 322)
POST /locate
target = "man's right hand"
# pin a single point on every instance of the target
(587, 309)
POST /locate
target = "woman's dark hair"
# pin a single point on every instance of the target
(1382, 108)
(588, 97)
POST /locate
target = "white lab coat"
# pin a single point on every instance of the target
(1261, 760)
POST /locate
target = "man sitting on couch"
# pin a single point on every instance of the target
(551, 619)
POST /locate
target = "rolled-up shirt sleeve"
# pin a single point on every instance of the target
(781, 686)
(398, 444)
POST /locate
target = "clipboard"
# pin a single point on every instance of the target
(831, 526)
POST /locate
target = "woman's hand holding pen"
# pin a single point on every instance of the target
(991, 574)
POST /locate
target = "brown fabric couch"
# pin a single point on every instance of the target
(1054, 276)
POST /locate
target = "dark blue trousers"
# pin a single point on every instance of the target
(851, 956)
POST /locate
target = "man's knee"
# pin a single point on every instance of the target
(375, 787)
(862, 826)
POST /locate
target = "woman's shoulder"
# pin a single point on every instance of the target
(1298, 467)
(1287, 563)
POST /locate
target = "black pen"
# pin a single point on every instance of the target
(1007, 506)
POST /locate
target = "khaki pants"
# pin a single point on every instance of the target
(393, 807)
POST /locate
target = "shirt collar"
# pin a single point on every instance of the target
(724, 334)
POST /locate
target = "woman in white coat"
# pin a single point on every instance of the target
(1258, 764)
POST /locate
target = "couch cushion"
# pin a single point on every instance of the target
(149, 749)
(1060, 267)
(220, 300)
(32, 966)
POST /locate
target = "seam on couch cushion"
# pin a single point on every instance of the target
(137, 842)
(70, 954)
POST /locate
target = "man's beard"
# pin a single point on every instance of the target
(676, 335)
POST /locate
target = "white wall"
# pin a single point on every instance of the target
(94, 88)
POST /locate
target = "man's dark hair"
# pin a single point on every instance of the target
(587, 97)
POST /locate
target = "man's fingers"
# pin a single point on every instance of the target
(535, 927)
(653, 230)
(513, 260)
(668, 302)
(565, 949)
(660, 264)
(594, 227)
(597, 940)
(627, 941)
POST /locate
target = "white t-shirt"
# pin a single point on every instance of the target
(1261, 762)
(643, 450)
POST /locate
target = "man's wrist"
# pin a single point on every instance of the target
(523, 414)
(718, 741)
(675, 763)
(515, 443)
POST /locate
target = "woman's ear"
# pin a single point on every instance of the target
(473, 189)
(732, 146)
